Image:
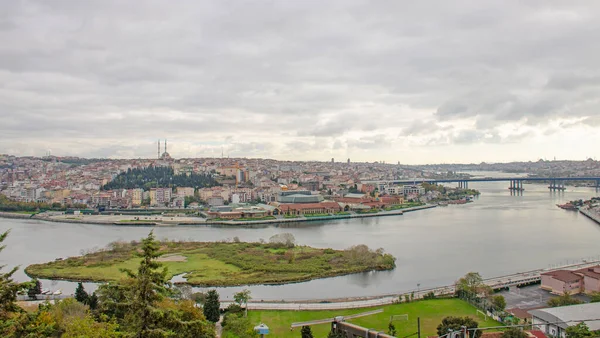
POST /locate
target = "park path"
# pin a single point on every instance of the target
(219, 327)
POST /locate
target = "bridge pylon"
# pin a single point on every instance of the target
(516, 185)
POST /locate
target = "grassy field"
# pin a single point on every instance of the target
(220, 264)
(431, 312)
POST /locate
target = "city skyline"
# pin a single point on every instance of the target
(460, 82)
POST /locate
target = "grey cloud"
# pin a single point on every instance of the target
(292, 70)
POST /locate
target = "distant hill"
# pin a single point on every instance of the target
(152, 177)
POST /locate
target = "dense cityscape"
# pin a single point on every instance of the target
(333, 169)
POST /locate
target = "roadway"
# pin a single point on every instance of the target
(328, 304)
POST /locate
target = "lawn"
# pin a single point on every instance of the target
(431, 313)
(220, 264)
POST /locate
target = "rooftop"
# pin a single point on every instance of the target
(571, 315)
(563, 275)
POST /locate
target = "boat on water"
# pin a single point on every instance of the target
(567, 206)
(45, 291)
(57, 292)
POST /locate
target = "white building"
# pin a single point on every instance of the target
(413, 190)
(554, 321)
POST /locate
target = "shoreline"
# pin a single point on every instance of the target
(593, 216)
(174, 222)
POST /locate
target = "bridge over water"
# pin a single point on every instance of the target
(515, 183)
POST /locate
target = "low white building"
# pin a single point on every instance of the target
(413, 190)
(555, 321)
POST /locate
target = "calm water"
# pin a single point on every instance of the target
(497, 234)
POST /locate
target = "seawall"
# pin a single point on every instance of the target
(592, 215)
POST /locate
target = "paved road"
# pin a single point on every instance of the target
(530, 297)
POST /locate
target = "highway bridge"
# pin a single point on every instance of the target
(515, 183)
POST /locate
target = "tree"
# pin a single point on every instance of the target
(242, 298)
(8, 288)
(212, 306)
(580, 330)
(514, 332)
(472, 285)
(34, 289)
(141, 303)
(80, 294)
(286, 239)
(93, 301)
(148, 287)
(306, 332)
(240, 327)
(455, 323)
(499, 303)
(563, 300)
(391, 329)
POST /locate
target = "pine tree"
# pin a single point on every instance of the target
(34, 289)
(93, 301)
(8, 288)
(80, 294)
(148, 288)
(212, 306)
(306, 332)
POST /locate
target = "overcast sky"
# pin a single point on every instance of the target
(408, 81)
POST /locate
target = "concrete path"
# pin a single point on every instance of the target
(218, 327)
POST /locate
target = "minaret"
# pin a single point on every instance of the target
(159, 149)
(165, 146)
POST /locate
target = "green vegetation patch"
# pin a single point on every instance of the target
(431, 313)
(264, 218)
(221, 264)
(316, 215)
(370, 211)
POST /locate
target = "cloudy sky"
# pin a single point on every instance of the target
(408, 81)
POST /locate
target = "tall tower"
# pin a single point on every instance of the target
(165, 146)
(158, 149)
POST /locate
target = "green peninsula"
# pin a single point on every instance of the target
(220, 263)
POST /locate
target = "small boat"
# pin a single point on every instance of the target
(567, 206)
(57, 292)
(45, 291)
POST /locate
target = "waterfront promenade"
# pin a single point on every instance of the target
(161, 220)
(520, 278)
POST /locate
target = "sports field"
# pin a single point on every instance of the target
(431, 313)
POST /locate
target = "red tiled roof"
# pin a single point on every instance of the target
(589, 272)
(563, 275)
(537, 334)
(492, 335)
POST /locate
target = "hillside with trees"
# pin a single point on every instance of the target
(163, 177)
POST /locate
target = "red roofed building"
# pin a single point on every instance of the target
(561, 281)
(310, 208)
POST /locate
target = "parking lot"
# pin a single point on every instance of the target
(529, 297)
